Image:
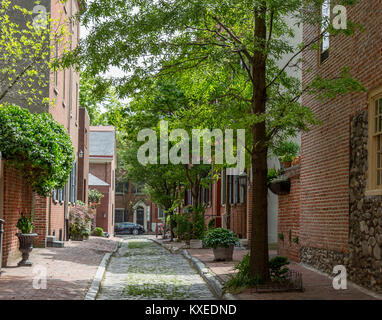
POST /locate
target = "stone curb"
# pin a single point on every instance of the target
(206, 273)
(96, 284)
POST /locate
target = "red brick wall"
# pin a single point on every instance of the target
(289, 218)
(17, 198)
(325, 149)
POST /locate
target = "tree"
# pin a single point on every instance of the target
(26, 49)
(231, 50)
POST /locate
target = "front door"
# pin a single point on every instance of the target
(140, 216)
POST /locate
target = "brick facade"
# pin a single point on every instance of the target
(102, 164)
(333, 172)
(50, 217)
(289, 218)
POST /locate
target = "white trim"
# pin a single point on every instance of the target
(100, 159)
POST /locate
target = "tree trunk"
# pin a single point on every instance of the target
(259, 257)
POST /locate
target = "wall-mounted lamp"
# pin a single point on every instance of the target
(243, 178)
(81, 153)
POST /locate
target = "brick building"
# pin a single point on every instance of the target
(335, 201)
(51, 214)
(83, 156)
(102, 165)
(132, 205)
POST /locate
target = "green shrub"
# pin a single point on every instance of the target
(278, 269)
(212, 224)
(287, 151)
(220, 237)
(241, 279)
(98, 232)
(36, 145)
(198, 224)
(183, 228)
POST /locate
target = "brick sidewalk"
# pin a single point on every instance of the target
(317, 286)
(70, 271)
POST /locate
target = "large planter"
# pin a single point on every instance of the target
(77, 237)
(223, 254)
(196, 244)
(26, 247)
(280, 186)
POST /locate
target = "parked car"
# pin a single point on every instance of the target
(129, 228)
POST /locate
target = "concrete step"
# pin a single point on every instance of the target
(50, 239)
(58, 244)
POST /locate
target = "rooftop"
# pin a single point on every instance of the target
(102, 141)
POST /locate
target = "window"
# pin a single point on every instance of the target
(325, 39)
(56, 57)
(137, 188)
(236, 189)
(160, 213)
(375, 144)
(230, 189)
(63, 84)
(77, 102)
(223, 186)
(73, 184)
(58, 195)
(242, 191)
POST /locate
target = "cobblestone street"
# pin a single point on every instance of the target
(141, 269)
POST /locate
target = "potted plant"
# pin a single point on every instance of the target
(94, 197)
(222, 241)
(287, 151)
(26, 239)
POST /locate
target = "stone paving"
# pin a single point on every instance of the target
(317, 286)
(143, 270)
(69, 271)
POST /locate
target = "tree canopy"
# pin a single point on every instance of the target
(227, 57)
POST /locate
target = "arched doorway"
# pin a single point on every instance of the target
(141, 216)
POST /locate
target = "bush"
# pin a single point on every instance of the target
(212, 224)
(278, 269)
(80, 220)
(98, 232)
(183, 228)
(241, 279)
(36, 145)
(220, 237)
(198, 224)
(287, 151)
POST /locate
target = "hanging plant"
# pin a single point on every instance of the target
(94, 197)
(36, 145)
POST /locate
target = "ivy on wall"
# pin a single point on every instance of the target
(36, 145)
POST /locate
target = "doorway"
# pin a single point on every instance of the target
(140, 216)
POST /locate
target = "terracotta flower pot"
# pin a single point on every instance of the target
(26, 247)
(223, 254)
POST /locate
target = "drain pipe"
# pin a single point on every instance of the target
(1, 242)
